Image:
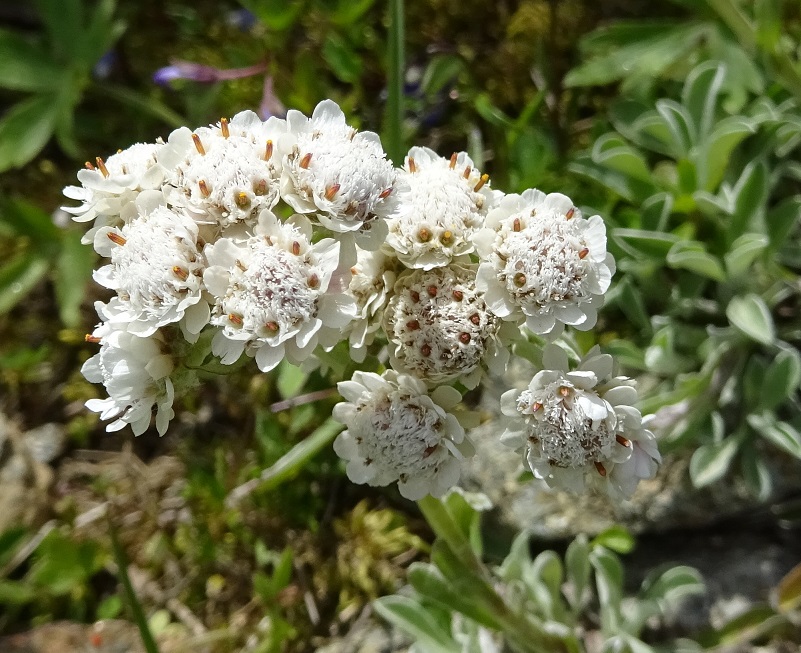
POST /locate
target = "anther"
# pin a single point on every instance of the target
(296, 248)
(331, 191)
(519, 279)
(570, 213)
(268, 153)
(236, 319)
(89, 166)
(198, 145)
(475, 318)
(446, 238)
(204, 188)
(412, 166)
(564, 391)
(600, 468)
(583, 253)
(242, 200)
(517, 225)
(414, 295)
(536, 406)
(90, 338)
(425, 350)
(385, 193)
(272, 326)
(622, 441)
(453, 160)
(115, 238)
(101, 164)
(424, 235)
(413, 325)
(314, 281)
(464, 337)
(181, 273)
(484, 179)
(306, 160)
(224, 127)
(429, 450)
(260, 187)
(467, 172)
(458, 295)
(432, 290)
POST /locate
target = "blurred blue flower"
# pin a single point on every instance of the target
(242, 19)
(200, 73)
(102, 69)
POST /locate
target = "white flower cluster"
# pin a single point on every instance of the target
(279, 239)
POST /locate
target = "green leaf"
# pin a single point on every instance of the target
(788, 591)
(63, 20)
(577, 567)
(73, 270)
(493, 115)
(15, 592)
(743, 252)
(714, 155)
(692, 256)
(781, 220)
(343, 60)
(679, 125)
(700, 95)
(442, 69)
(671, 586)
(756, 474)
(291, 379)
(18, 277)
(750, 196)
(630, 301)
(654, 244)
(609, 585)
(25, 66)
(413, 618)
(348, 12)
(627, 187)
(750, 314)
(27, 219)
(780, 434)
(781, 380)
(277, 15)
(25, 130)
(613, 152)
(710, 462)
(615, 538)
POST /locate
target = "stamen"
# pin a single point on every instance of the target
(314, 281)
(296, 248)
(467, 172)
(413, 325)
(536, 406)
(570, 213)
(517, 225)
(519, 279)
(241, 265)
(425, 350)
(268, 154)
(306, 160)
(446, 238)
(412, 166)
(475, 318)
(242, 200)
(101, 164)
(88, 166)
(424, 235)
(484, 179)
(464, 337)
(601, 469)
(385, 193)
(430, 450)
(236, 319)
(115, 238)
(622, 441)
(260, 187)
(181, 273)
(331, 191)
(198, 145)
(90, 338)
(432, 291)
(204, 188)
(564, 391)
(583, 253)
(272, 326)
(224, 127)
(458, 295)
(414, 295)
(453, 160)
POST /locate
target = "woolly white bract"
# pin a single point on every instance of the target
(396, 431)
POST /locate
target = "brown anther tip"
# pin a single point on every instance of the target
(102, 165)
(570, 213)
(296, 248)
(385, 193)
(412, 165)
(198, 144)
(88, 165)
(458, 295)
(467, 172)
(475, 318)
(314, 281)
(260, 187)
(414, 295)
(306, 160)
(115, 238)
(242, 200)
(464, 337)
(564, 391)
(271, 326)
(600, 468)
(424, 235)
(354, 270)
(517, 225)
(204, 188)
(180, 272)
(429, 450)
(432, 291)
(484, 179)
(622, 441)
(236, 319)
(453, 160)
(331, 191)
(536, 406)
(90, 338)
(413, 325)
(583, 253)
(425, 350)
(224, 127)
(268, 153)
(519, 279)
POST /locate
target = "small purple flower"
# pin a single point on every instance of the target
(270, 104)
(204, 74)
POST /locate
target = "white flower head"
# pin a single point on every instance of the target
(578, 425)
(441, 203)
(373, 277)
(108, 191)
(156, 269)
(226, 174)
(396, 431)
(339, 174)
(136, 375)
(542, 262)
(271, 291)
(440, 327)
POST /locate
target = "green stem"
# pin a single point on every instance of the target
(130, 596)
(393, 120)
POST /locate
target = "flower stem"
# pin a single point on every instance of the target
(393, 119)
